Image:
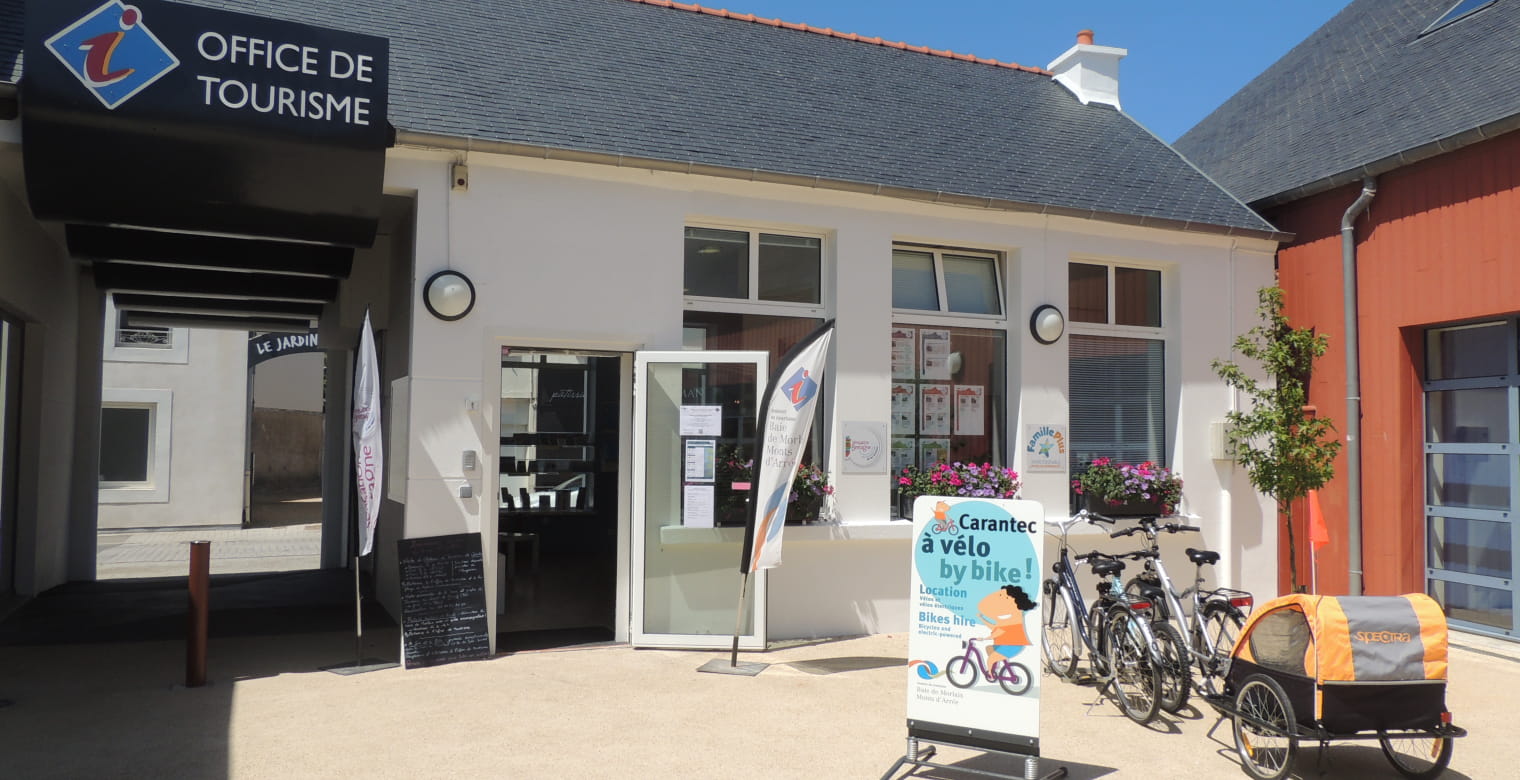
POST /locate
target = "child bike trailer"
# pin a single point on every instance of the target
(1331, 668)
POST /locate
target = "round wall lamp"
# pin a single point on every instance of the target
(1047, 323)
(448, 295)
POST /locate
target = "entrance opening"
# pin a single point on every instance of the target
(557, 498)
(1472, 473)
(188, 435)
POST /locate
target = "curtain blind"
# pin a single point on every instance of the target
(1118, 400)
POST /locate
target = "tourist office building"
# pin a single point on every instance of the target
(585, 231)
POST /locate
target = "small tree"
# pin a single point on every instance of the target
(1284, 453)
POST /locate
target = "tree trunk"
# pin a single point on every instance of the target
(1287, 510)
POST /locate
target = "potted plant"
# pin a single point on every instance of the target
(1124, 490)
(806, 504)
(970, 480)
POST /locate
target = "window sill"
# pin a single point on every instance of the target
(878, 530)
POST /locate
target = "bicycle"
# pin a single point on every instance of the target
(1207, 633)
(962, 669)
(1116, 636)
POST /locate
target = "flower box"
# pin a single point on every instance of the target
(1123, 509)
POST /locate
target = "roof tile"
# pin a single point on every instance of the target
(574, 77)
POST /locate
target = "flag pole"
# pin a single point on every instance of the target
(733, 656)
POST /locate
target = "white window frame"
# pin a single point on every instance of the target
(942, 318)
(944, 315)
(753, 304)
(1111, 329)
(160, 403)
(178, 351)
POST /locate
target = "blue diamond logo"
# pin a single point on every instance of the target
(113, 53)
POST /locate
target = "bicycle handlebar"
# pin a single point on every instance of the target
(1125, 532)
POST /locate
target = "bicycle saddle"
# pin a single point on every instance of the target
(1202, 557)
(1105, 568)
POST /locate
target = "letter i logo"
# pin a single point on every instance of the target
(113, 53)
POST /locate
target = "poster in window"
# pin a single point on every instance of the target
(701, 460)
(970, 410)
(701, 420)
(936, 353)
(934, 410)
(903, 453)
(904, 405)
(932, 452)
(904, 351)
(697, 508)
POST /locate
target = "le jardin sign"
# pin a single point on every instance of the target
(268, 346)
(163, 115)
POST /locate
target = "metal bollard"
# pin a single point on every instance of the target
(199, 618)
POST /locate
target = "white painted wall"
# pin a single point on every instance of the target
(580, 255)
(207, 432)
(290, 382)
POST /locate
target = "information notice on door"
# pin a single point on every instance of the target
(443, 600)
(974, 623)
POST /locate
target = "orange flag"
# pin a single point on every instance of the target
(1319, 535)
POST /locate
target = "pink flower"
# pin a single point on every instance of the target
(904, 481)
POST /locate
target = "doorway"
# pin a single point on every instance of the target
(1472, 473)
(557, 497)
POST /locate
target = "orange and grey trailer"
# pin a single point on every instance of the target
(1330, 668)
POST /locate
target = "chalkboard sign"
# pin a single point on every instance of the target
(443, 600)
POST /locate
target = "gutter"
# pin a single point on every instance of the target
(456, 143)
(1353, 384)
(1379, 167)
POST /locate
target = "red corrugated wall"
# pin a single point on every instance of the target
(1440, 243)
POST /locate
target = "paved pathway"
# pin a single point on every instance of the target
(822, 711)
(233, 551)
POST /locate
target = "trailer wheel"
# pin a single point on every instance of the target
(1264, 728)
(1419, 758)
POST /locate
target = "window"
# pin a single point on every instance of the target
(949, 345)
(945, 281)
(787, 269)
(769, 305)
(134, 446)
(1472, 471)
(1457, 11)
(125, 343)
(142, 337)
(1117, 360)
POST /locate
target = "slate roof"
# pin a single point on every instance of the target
(1364, 87)
(655, 82)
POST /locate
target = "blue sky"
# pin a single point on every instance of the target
(1185, 56)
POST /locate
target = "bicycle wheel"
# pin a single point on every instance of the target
(961, 671)
(1058, 636)
(1013, 676)
(1419, 757)
(1264, 726)
(1221, 626)
(1098, 635)
(1136, 680)
(1176, 671)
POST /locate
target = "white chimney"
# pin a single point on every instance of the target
(1090, 72)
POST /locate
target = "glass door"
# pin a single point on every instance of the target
(1472, 473)
(690, 409)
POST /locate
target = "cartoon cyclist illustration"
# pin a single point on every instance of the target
(1003, 610)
